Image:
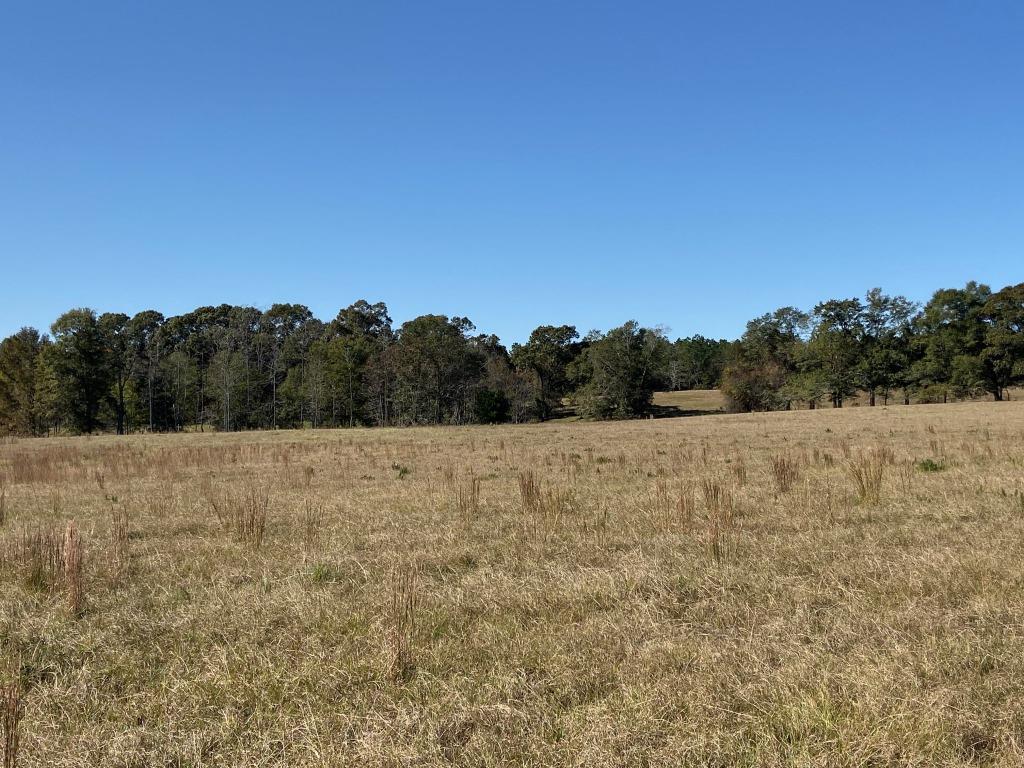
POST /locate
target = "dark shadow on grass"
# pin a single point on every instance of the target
(673, 411)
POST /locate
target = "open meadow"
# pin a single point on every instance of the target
(826, 588)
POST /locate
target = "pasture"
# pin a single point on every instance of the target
(814, 588)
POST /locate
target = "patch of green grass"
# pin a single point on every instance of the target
(322, 573)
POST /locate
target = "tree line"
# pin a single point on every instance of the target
(234, 368)
(963, 343)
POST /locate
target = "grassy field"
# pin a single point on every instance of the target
(696, 402)
(826, 588)
(690, 402)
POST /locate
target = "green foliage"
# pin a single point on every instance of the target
(82, 365)
(21, 411)
(696, 363)
(836, 345)
(1001, 359)
(618, 372)
(491, 407)
(949, 334)
(764, 360)
(548, 354)
(435, 368)
(241, 368)
(885, 343)
(750, 385)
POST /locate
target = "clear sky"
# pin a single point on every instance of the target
(685, 164)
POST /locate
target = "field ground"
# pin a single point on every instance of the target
(692, 402)
(700, 402)
(826, 588)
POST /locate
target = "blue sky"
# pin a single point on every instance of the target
(519, 163)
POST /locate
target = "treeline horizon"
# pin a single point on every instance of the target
(237, 368)
(961, 344)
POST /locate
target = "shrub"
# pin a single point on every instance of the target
(491, 407)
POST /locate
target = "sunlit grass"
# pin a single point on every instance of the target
(766, 589)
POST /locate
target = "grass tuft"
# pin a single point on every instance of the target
(10, 719)
(402, 624)
(74, 569)
(868, 473)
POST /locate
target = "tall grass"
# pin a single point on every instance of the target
(785, 472)
(312, 527)
(74, 567)
(250, 517)
(720, 534)
(868, 472)
(119, 537)
(244, 515)
(467, 499)
(543, 508)
(39, 554)
(401, 628)
(10, 718)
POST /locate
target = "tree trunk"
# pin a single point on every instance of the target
(120, 408)
(351, 400)
(871, 398)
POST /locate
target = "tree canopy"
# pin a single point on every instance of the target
(234, 367)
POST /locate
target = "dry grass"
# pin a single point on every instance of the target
(313, 527)
(119, 534)
(785, 472)
(816, 588)
(401, 628)
(868, 472)
(74, 565)
(10, 718)
(696, 400)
